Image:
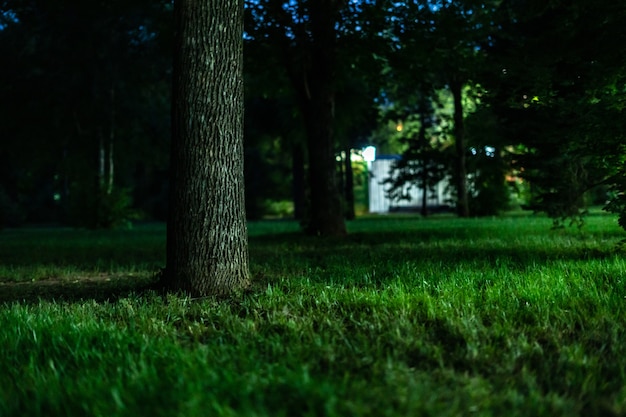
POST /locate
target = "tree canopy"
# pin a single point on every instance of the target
(536, 91)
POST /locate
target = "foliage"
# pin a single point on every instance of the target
(280, 208)
(102, 210)
(438, 46)
(490, 194)
(617, 196)
(427, 133)
(558, 92)
(552, 78)
(424, 163)
(491, 177)
(271, 133)
(322, 56)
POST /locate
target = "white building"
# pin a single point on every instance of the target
(380, 170)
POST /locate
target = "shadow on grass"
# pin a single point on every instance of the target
(98, 288)
(84, 249)
(393, 249)
(366, 259)
(279, 249)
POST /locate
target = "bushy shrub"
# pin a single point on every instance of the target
(101, 209)
(489, 192)
(490, 197)
(279, 208)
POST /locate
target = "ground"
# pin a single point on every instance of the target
(98, 287)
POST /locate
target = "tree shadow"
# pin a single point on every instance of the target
(286, 253)
(101, 288)
(390, 252)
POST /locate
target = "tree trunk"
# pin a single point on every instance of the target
(325, 216)
(101, 160)
(349, 185)
(111, 172)
(423, 144)
(111, 165)
(462, 204)
(207, 244)
(98, 215)
(317, 102)
(299, 181)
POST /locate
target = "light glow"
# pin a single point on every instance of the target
(369, 154)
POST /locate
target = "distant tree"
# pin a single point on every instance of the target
(274, 138)
(302, 37)
(557, 89)
(437, 45)
(207, 247)
(271, 134)
(491, 180)
(357, 118)
(317, 46)
(423, 163)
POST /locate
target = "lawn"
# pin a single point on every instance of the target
(405, 317)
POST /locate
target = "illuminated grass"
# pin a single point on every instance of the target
(440, 317)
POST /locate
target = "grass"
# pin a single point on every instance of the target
(405, 317)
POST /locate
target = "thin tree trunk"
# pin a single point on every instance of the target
(325, 217)
(341, 177)
(101, 160)
(424, 189)
(65, 190)
(459, 138)
(349, 185)
(111, 161)
(207, 245)
(299, 181)
(111, 172)
(424, 146)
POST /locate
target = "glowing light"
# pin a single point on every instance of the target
(369, 153)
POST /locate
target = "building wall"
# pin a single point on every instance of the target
(380, 169)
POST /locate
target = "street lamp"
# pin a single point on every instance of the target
(369, 154)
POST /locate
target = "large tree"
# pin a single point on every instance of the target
(321, 49)
(303, 35)
(438, 44)
(207, 247)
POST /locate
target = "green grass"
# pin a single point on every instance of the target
(405, 317)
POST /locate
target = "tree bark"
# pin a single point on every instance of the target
(423, 144)
(111, 160)
(299, 181)
(349, 185)
(317, 102)
(462, 204)
(101, 160)
(325, 215)
(207, 244)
